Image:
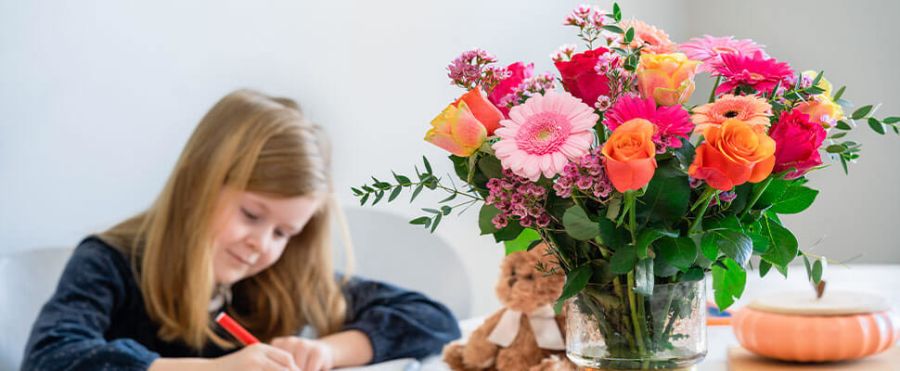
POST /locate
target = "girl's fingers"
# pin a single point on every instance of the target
(282, 358)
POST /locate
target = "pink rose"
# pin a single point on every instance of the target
(797, 142)
(580, 78)
(518, 73)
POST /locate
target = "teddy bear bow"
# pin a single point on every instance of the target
(543, 323)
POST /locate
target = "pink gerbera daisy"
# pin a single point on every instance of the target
(756, 71)
(709, 49)
(543, 134)
(672, 122)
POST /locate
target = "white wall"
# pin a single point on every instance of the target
(97, 98)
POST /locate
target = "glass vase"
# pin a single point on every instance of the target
(611, 327)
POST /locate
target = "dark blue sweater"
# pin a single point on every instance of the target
(96, 319)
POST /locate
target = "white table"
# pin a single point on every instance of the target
(881, 279)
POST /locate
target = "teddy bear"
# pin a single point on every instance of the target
(507, 339)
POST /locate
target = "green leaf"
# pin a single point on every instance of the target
(667, 197)
(861, 112)
(521, 243)
(435, 221)
(647, 237)
(839, 93)
(446, 210)
(760, 243)
(728, 283)
(629, 35)
(875, 125)
(510, 232)
(490, 167)
(613, 28)
(609, 234)
(836, 148)
(734, 245)
(782, 243)
(764, 268)
(795, 200)
(422, 220)
(363, 200)
(578, 225)
(817, 269)
(427, 165)
(449, 198)
(772, 194)
(402, 180)
(843, 125)
(891, 120)
(485, 216)
(678, 252)
(643, 277)
(576, 280)
(617, 13)
(623, 260)
(416, 192)
(693, 274)
(395, 193)
(837, 136)
(730, 222)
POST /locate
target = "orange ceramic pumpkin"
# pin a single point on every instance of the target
(799, 327)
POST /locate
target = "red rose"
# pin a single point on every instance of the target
(580, 79)
(518, 73)
(797, 142)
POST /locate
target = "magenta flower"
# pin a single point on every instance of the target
(587, 175)
(544, 133)
(709, 49)
(518, 73)
(755, 70)
(672, 122)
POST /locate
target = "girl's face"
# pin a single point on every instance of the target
(252, 229)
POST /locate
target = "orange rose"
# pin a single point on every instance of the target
(631, 155)
(733, 154)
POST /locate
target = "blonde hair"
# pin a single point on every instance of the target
(251, 142)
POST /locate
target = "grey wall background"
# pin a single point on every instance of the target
(98, 97)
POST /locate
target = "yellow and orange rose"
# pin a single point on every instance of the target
(465, 124)
(631, 155)
(667, 78)
(732, 154)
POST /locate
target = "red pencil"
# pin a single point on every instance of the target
(235, 329)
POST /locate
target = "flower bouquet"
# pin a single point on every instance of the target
(638, 194)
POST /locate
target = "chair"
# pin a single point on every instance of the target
(27, 279)
(387, 248)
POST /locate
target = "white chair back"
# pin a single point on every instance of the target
(27, 279)
(387, 248)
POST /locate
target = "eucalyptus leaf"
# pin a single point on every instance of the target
(579, 225)
(485, 217)
(876, 125)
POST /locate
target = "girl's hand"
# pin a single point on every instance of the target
(309, 355)
(256, 357)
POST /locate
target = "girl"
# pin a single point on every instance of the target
(242, 226)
